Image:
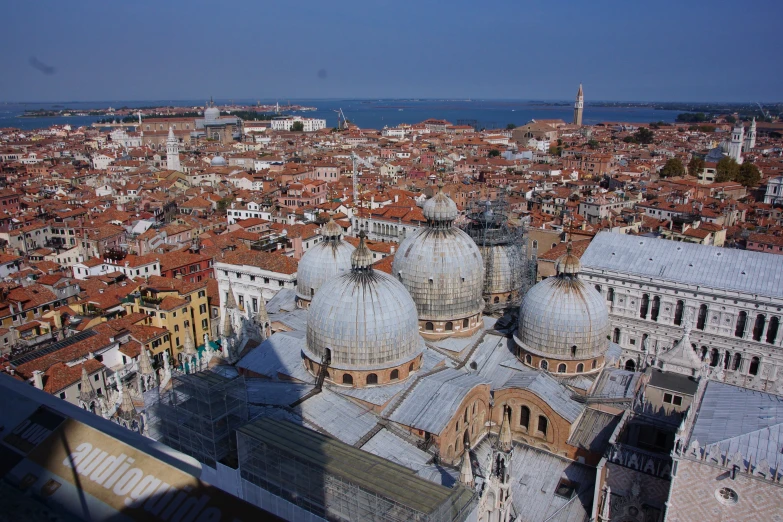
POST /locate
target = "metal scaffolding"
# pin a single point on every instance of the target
(338, 482)
(199, 413)
(509, 269)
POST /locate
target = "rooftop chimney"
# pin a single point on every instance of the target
(38, 379)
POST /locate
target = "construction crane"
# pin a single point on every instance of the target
(764, 112)
(342, 122)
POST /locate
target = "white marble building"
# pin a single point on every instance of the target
(734, 297)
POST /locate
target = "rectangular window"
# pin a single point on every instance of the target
(677, 400)
(241, 300)
(62, 395)
(204, 324)
(667, 398)
(97, 376)
(255, 304)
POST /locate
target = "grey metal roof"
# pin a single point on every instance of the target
(431, 404)
(340, 417)
(728, 411)
(281, 353)
(389, 446)
(593, 430)
(439, 475)
(708, 266)
(557, 396)
(284, 300)
(535, 475)
(457, 344)
(741, 420)
(614, 383)
(275, 393)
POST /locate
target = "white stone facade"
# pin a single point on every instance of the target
(250, 284)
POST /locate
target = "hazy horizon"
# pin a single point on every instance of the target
(710, 51)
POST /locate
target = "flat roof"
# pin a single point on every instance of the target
(370, 472)
(673, 381)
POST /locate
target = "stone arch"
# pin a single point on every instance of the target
(630, 365)
(347, 378)
(372, 378)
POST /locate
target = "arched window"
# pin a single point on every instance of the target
(701, 321)
(644, 306)
(465, 322)
(592, 365)
(758, 328)
(736, 362)
(528, 358)
(573, 351)
(347, 379)
(610, 295)
(703, 353)
(496, 300)
(714, 357)
(449, 326)
(580, 368)
(754, 366)
(616, 336)
(410, 367)
(429, 326)
(524, 417)
(535, 244)
(630, 365)
(561, 368)
(598, 288)
(772, 331)
(742, 321)
(678, 310)
(726, 360)
(656, 308)
(372, 378)
(394, 375)
(544, 365)
(542, 424)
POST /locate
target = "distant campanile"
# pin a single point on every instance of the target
(579, 106)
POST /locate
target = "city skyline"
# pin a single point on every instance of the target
(180, 51)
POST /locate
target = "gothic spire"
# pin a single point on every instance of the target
(231, 302)
(87, 392)
(504, 440)
(466, 470)
(145, 365)
(188, 344)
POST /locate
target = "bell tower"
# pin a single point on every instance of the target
(172, 151)
(579, 106)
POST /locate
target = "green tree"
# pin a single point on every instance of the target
(726, 170)
(695, 165)
(749, 175)
(593, 144)
(298, 126)
(673, 167)
(730, 119)
(644, 136)
(494, 153)
(511, 126)
(629, 139)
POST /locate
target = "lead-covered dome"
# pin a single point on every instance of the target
(442, 269)
(562, 318)
(324, 261)
(365, 321)
(218, 161)
(211, 113)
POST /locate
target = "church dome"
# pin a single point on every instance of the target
(218, 161)
(211, 113)
(563, 318)
(326, 260)
(442, 268)
(365, 321)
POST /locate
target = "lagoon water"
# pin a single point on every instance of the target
(369, 114)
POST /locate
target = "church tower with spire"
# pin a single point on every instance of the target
(579, 106)
(172, 151)
(737, 138)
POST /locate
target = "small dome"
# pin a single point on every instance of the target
(366, 318)
(440, 208)
(563, 318)
(331, 229)
(568, 263)
(324, 261)
(506, 268)
(218, 161)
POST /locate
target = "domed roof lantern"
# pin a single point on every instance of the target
(568, 264)
(361, 258)
(331, 230)
(440, 210)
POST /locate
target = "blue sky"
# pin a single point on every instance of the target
(258, 49)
